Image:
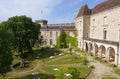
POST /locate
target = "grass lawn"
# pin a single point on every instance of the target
(84, 71)
(44, 55)
(66, 60)
(40, 75)
(117, 71)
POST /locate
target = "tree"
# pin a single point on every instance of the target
(6, 37)
(25, 33)
(61, 41)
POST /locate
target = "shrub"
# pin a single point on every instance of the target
(16, 65)
(73, 72)
(92, 66)
(84, 60)
(117, 71)
(113, 65)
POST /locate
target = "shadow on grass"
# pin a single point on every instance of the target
(40, 76)
(43, 53)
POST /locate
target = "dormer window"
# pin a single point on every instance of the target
(50, 34)
(93, 22)
(56, 34)
(80, 23)
(104, 33)
(105, 20)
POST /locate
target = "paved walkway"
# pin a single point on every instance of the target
(101, 70)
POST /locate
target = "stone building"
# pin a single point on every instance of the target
(99, 30)
(50, 32)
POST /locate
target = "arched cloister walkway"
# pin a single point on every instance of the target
(86, 47)
(95, 50)
(102, 51)
(106, 51)
(111, 54)
(90, 48)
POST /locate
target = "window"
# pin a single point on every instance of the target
(105, 20)
(80, 23)
(104, 34)
(56, 34)
(50, 41)
(50, 34)
(93, 22)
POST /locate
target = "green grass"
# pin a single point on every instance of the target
(44, 55)
(117, 71)
(67, 60)
(84, 70)
(40, 75)
(50, 69)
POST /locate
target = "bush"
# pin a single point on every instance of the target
(92, 66)
(84, 60)
(117, 71)
(70, 49)
(42, 49)
(73, 72)
(113, 65)
(16, 65)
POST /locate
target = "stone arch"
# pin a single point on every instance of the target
(111, 55)
(86, 46)
(90, 47)
(96, 49)
(102, 51)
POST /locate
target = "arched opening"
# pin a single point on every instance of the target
(86, 47)
(102, 51)
(90, 47)
(96, 49)
(111, 52)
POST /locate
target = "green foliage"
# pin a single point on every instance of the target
(92, 66)
(6, 37)
(117, 71)
(113, 65)
(73, 71)
(70, 49)
(64, 40)
(61, 40)
(84, 60)
(67, 60)
(71, 40)
(25, 32)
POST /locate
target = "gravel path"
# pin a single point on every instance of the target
(101, 70)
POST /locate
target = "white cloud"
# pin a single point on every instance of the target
(30, 8)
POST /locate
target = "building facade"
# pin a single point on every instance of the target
(99, 30)
(50, 32)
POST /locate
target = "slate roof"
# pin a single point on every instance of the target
(67, 26)
(84, 10)
(105, 5)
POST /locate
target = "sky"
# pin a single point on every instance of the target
(55, 11)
